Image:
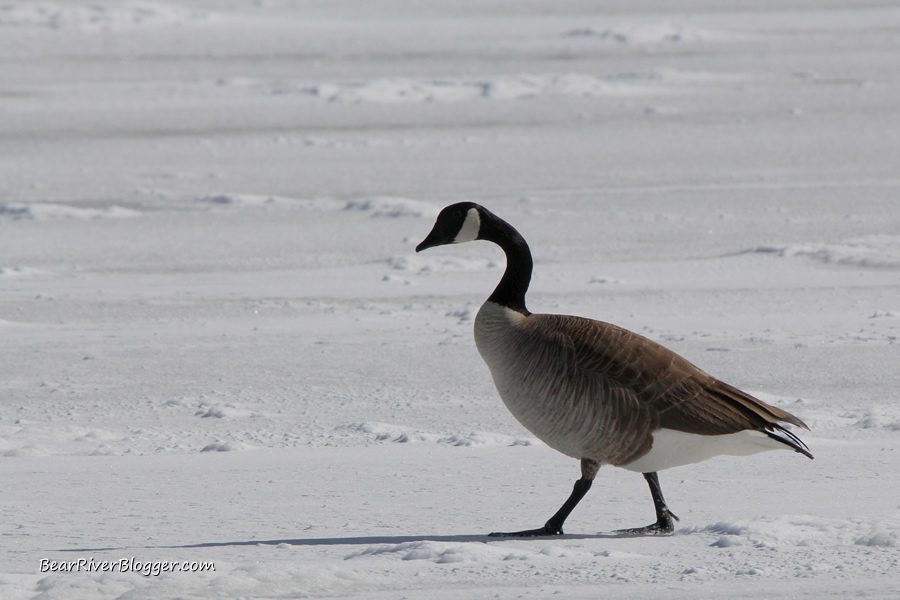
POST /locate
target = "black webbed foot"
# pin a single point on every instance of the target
(664, 526)
(545, 531)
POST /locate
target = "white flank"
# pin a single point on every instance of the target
(676, 448)
(469, 231)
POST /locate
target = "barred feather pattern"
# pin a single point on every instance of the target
(590, 389)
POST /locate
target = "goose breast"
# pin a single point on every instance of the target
(541, 377)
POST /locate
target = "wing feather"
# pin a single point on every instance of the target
(653, 387)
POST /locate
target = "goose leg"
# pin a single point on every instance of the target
(664, 516)
(554, 526)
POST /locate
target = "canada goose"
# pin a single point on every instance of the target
(600, 393)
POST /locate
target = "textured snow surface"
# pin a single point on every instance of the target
(217, 343)
(91, 16)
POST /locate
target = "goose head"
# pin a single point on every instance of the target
(456, 224)
(466, 222)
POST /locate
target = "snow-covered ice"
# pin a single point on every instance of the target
(218, 344)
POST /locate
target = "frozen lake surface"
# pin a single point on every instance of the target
(218, 344)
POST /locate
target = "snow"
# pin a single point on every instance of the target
(870, 251)
(392, 207)
(654, 33)
(515, 87)
(219, 345)
(94, 16)
(41, 211)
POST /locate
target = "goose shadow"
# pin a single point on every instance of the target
(373, 540)
(366, 540)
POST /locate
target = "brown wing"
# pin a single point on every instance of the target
(680, 396)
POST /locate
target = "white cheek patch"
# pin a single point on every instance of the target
(469, 231)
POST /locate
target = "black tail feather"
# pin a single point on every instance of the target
(787, 437)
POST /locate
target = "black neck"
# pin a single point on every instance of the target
(510, 292)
